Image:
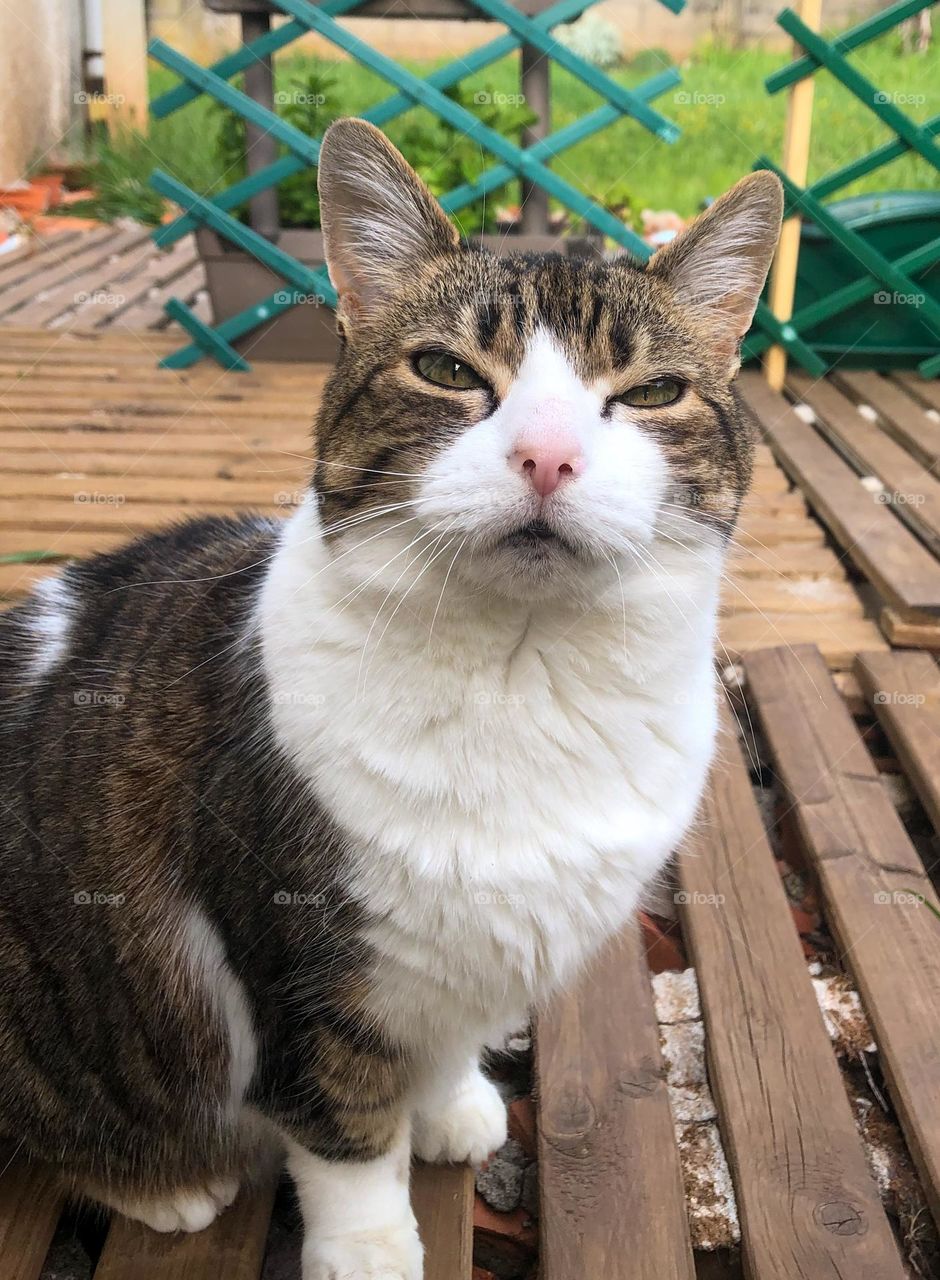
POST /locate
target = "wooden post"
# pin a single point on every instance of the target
(124, 46)
(535, 83)
(795, 166)
(261, 148)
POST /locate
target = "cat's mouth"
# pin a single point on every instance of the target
(537, 537)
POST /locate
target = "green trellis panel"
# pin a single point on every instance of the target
(510, 161)
(910, 136)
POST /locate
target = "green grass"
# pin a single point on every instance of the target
(727, 120)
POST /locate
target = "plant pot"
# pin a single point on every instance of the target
(236, 280)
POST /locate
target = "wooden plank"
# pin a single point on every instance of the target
(160, 267)
(28, 373)
(912, 492)
(58, 276)
(872, 879)
(35, 386)
(276, 448)
(902, 569)
(127, 489)
(49, 252)
(609, 1175)
(232, 1247)
(904, 689)
(42, 460)
(800, 1174)
(923, 390)
(785, 560)
(134, 517)
(811, 596)
(31, 1203)
(902, 416)
(231, 403)
(838, 639)
(910, 630)
(17, 580)
(762, 532)
(134, 417)
(150, 310)
(100, 287)
(442, 1197)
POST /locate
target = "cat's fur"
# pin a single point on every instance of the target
(297, 818)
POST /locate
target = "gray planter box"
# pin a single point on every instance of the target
(236, 280)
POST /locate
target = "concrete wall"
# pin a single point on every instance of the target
(644, 23)
(40, 48)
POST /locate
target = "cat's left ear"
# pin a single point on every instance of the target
(380, 222)
(719, 264)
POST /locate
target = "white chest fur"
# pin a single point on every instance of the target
(509, 781)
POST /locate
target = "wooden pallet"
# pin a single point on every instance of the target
(865, 451)
(612, 1200)
(97, 444)
(111, 277)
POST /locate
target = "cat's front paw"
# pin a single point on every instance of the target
(391, 1253)
(182, 1210)
(469, 1127)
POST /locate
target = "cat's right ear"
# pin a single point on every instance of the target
(379, 219)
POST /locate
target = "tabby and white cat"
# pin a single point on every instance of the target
(298, 817)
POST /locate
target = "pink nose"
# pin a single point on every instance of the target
(547, 466)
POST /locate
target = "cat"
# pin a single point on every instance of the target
(298, 817)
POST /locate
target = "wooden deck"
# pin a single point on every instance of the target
(110, 278)
(97, 444)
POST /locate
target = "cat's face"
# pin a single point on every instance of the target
(540, 419)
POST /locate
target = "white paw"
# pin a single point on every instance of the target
(184, 1210)
(470, 1127)
(392, 1253)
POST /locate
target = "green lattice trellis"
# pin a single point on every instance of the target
(879, 272)
(529, 164)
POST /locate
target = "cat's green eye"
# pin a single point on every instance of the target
(447, 371)
(651, 394)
